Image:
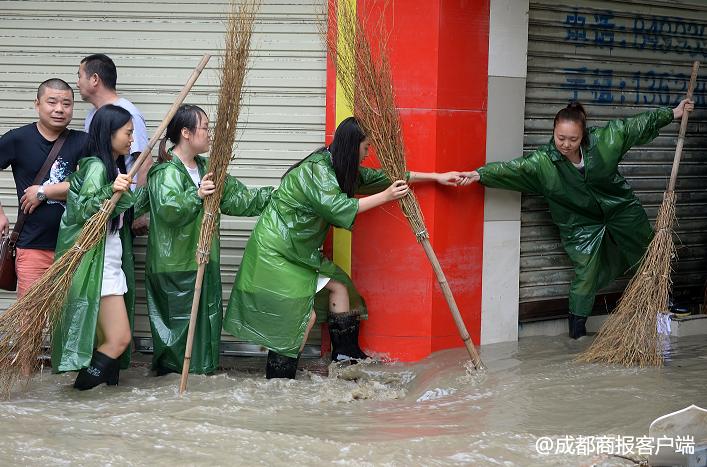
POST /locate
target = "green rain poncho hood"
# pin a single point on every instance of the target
(176, 212)
(74, 336)
(603, 226)
(274, 291)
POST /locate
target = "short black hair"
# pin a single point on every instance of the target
(54, 83)
(103, 66)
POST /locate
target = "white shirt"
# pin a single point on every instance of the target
(194, 174)
(580, 166)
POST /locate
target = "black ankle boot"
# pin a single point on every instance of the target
(343, 330)
(577, 326)
(102, 369)
(280, 366)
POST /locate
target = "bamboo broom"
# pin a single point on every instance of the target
(630, 335)
(23, 325)
(367, 83)
(239, 30)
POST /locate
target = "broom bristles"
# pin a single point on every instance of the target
(24, 324)
(239, 30)
(630, 335)
(368, 84)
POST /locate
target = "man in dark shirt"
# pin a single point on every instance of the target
(25, 149)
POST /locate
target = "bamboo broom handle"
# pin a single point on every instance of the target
(683, 129)
(158, 133)
(192, 327)
(475, 359)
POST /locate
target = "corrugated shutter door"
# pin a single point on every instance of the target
(155, 46)
(618, 58)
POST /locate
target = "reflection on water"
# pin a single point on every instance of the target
(434, 412)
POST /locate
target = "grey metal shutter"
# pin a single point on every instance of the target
(155, 45)
(618, 58)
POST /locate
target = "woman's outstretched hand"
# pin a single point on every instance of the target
(397, 190)
(685, 105)
(467, 178)
(449, 178)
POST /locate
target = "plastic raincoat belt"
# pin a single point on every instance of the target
(275, 288)
(74, 336)
(603, 226)
(176, 213)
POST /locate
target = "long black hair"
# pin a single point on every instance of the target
(187, 116)
(106, 121)
(344, 151)
(574, 112)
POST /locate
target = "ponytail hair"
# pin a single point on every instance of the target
(574, 112)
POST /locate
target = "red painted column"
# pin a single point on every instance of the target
(439, 57)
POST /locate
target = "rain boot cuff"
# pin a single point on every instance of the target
(343, 317)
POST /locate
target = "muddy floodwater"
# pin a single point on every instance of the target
(433, 412)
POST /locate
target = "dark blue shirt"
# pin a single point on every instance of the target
(25, 150)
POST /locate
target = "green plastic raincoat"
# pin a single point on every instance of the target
(275, 288)
(170, 270)
(603, 226)
(74, 336)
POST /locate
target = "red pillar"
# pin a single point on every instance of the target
(439, 59)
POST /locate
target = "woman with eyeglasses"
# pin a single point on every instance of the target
(177, 186)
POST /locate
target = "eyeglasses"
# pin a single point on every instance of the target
(206, 129)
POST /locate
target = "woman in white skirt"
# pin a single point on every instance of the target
(95, 331)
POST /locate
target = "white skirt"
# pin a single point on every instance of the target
(114, 282)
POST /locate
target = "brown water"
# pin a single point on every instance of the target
(434, 412)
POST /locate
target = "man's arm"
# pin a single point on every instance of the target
(31, 199)
(4, 222)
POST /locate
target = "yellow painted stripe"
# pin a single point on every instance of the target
(342, 237)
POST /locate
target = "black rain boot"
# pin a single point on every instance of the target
(114, 374)
(102, 369)
(280, 366)
(577, 326)
(343, 330)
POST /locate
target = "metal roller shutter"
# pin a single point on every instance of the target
(155, 45)
(618, 58)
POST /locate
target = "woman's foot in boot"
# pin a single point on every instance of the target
(280, 366)
(343, 331)
(577, 326)
(103, 369)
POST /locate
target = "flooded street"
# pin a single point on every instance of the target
(434, 412)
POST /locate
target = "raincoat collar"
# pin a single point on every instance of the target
(199, 159)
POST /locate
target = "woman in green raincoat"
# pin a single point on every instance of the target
(603, 226)
(177, 187)
(272, 302)
(101, 298)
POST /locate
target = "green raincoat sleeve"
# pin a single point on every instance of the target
(93, 192)
(618, 136)
(175, 203)
(324, 197)
(142, 201)
(519, 174)
(239, 200)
